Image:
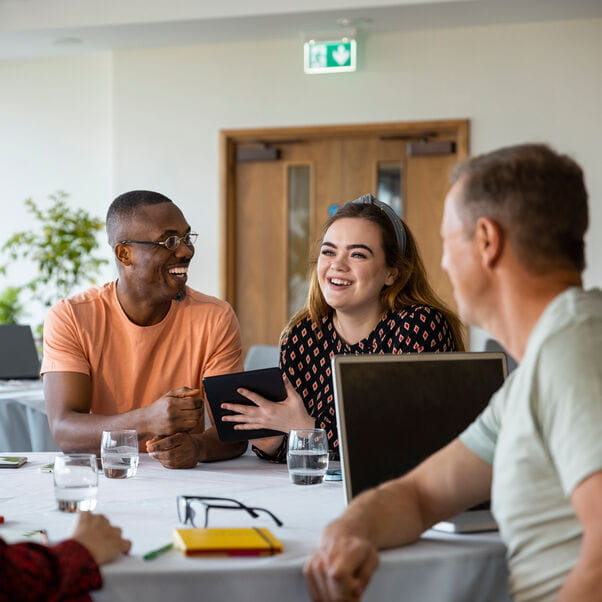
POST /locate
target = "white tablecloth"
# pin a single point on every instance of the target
(439, 568)
(23, 420)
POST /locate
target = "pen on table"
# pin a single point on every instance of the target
(154, 553)
(41, 532)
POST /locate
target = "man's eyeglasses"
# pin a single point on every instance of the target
(187, 503)
(171, 243)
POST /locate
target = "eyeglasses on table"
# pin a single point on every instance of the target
(187, 513)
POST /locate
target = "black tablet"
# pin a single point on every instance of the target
(221, 389)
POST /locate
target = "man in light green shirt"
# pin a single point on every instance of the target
(542, 432)
(512, 231)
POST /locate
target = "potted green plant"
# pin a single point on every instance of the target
(62, 245)
(11, 308)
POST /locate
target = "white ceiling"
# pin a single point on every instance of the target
(39, 28)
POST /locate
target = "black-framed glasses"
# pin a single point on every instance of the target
(171, 243)
(187, 513)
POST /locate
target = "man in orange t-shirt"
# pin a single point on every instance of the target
(132, 353)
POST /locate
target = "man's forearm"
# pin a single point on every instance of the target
(584, 581)
(582, 584)
(68, 398)
(387, 516)
(211, 449)
(79, 432)
(399, 511)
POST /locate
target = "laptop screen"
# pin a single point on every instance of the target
(18, 355)
(393, 411)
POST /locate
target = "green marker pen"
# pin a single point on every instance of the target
(154, 553)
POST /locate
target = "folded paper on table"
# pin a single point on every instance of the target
(248, 541)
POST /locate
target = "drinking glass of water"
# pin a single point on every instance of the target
(307, 456)
(119, 453)
(75, 482)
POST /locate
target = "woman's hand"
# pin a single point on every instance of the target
(277, 415)
(100, 537)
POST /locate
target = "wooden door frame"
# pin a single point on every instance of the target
(229, 139)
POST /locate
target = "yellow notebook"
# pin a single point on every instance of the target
(247, 541)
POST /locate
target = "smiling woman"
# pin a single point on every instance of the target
(352, 271)
(368, 294)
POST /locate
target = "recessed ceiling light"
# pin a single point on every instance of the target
(357, 22)
(67, 41)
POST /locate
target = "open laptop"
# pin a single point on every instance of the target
(393, 411)
(18, 354)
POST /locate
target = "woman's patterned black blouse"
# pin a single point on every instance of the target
(305, 358)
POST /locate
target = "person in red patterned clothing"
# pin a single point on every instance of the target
(67, 571)
(368, 294)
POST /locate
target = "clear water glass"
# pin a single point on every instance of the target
(75, 482)
(307, 456)
(119, 453)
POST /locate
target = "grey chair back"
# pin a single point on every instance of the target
(262, 356)
(493, 345)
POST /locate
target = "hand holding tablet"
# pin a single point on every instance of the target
(221, 389)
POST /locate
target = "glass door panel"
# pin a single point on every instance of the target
(299, 190)
(390, 185)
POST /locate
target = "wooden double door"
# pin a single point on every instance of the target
(280, 185)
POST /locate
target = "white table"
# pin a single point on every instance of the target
(439, 568)
(23, 421)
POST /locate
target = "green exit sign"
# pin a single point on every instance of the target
(330, 57)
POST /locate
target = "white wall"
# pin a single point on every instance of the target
(515, 82)
(155, 117)
(55, 131)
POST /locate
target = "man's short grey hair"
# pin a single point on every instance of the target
(537, 196)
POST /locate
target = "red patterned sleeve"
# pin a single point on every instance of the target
(65, 572)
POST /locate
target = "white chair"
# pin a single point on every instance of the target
(262, 356)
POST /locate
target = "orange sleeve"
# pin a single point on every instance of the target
(63, 351)
(227, 349)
